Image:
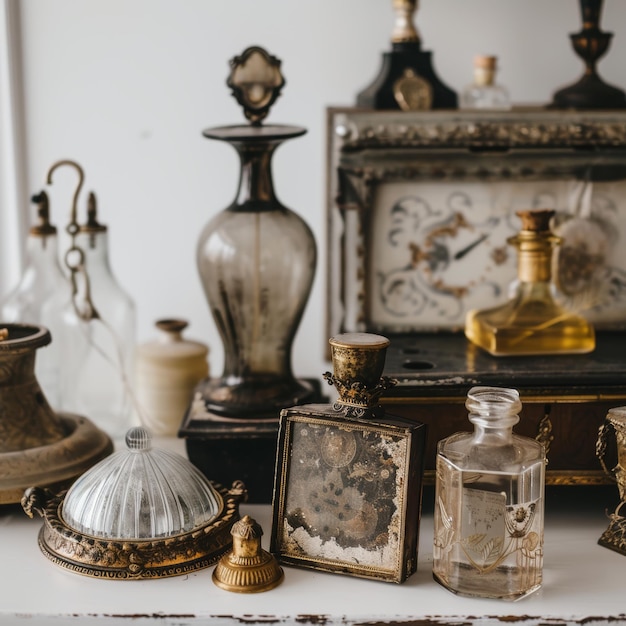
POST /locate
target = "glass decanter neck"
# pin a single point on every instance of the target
(493, 411)
(255, 182)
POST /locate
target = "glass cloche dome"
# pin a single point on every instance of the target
(140, 493)
(142, 512)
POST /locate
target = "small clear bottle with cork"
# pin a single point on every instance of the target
(532, 321)
(484, 92)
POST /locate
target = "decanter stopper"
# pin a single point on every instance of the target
(256, 82)
(358, 361)
(404, 28)
(247, 568)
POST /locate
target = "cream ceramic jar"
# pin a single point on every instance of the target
(167, 371)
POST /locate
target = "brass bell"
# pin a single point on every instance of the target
(247, 568)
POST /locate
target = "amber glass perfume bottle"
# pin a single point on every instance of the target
(531, 322)
(488, 537)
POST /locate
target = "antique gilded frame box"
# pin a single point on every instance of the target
(348, 492)
(419, 209)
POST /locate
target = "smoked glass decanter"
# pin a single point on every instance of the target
(532, 321)
(256, 261)
(39, 296)
(488, 536)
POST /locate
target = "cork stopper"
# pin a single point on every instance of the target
(485, 62)
(536, 221)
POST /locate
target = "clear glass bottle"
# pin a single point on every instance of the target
(484, 93)
(488, 536)
(532, 321)
(99, 352)
(39, 296)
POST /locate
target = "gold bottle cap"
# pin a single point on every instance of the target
(44, 228)
(247, 568)
(404, 29)
(92, 225)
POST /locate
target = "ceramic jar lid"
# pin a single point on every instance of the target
(170, 344)
(167, 371)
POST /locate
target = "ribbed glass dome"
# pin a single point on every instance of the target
(140, 493)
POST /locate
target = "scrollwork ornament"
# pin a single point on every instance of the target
(356, 393)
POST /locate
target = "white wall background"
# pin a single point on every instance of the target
(125, 87)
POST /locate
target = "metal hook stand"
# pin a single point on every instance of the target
(75, 256)
(82, 300)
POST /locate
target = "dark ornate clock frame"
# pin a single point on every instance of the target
(565, 398)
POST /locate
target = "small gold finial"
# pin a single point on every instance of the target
(43, 228)
(92, 225)
(247, 568)
(404, 29)
(4, 334)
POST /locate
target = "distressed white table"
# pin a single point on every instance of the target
(583, 584)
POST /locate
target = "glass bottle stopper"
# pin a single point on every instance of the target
(256, 81)
(247, 568)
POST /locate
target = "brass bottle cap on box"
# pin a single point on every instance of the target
(358, 363)
(248, 568)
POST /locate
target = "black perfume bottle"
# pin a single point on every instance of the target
(407, 80)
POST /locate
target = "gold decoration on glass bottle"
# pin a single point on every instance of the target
(532, 321)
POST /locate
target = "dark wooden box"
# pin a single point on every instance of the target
(565, 398)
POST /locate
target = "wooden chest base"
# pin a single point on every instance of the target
(565, 398)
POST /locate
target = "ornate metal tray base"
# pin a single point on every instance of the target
(123, 559)
(55, 465)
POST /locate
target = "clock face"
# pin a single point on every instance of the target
(437, 258)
